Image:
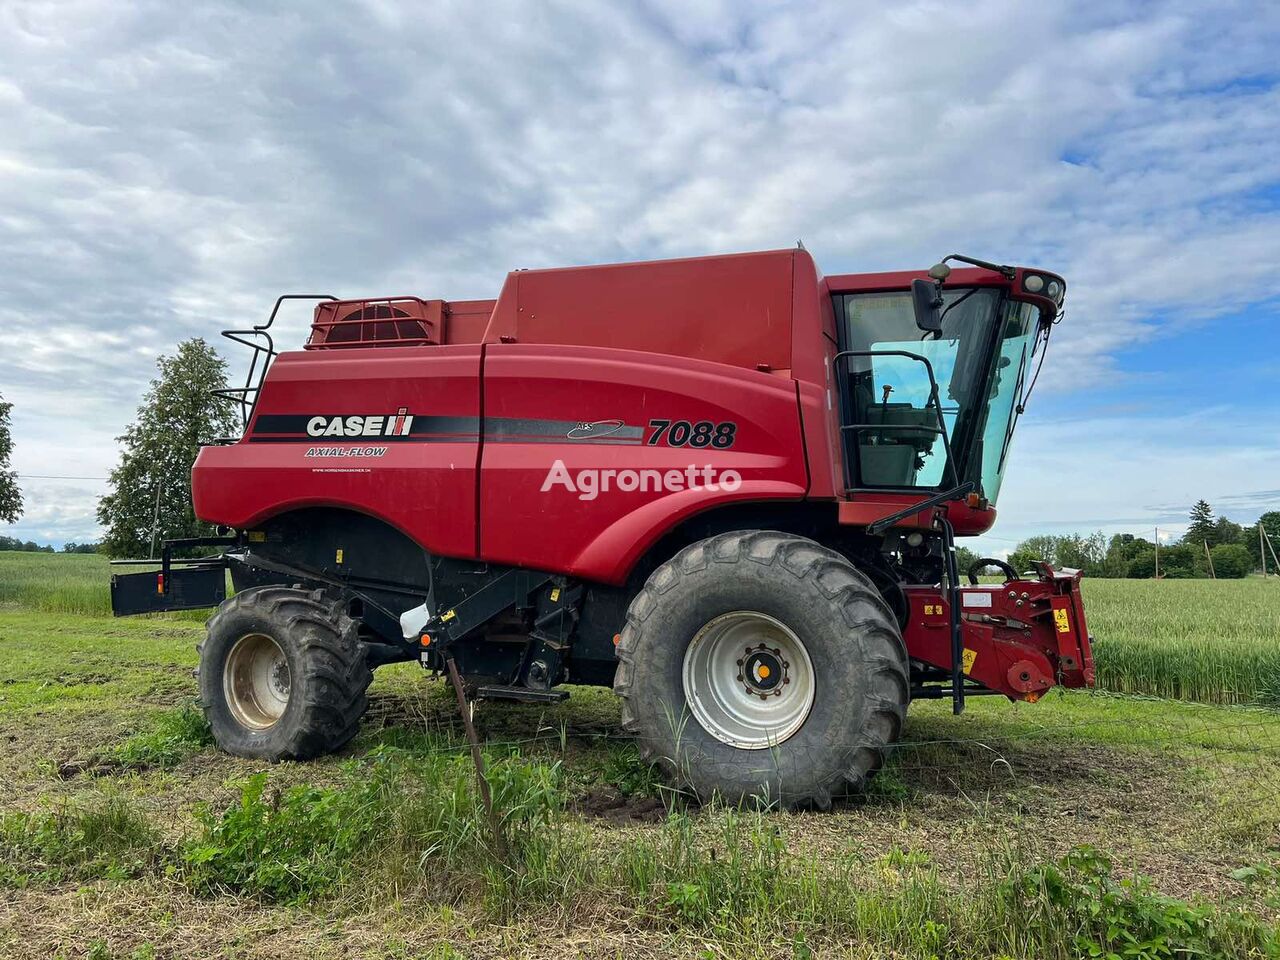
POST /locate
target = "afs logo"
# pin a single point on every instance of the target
(375, 425)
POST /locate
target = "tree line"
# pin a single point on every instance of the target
(1212, 546)
(30, 546)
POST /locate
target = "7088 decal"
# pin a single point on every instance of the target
(701, 433)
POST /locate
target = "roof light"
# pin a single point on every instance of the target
(1054, 290)
(1033, 283)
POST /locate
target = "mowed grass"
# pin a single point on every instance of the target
(1214, 641)
(1014, 830)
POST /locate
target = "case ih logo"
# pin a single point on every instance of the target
(376, 425)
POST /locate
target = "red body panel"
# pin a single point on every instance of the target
(601, 538)
(413, 486)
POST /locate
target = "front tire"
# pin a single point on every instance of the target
(282, 674)
(762, 665)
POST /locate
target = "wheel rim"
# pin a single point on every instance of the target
(748, 680)
(255, 681)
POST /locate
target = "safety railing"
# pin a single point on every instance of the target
(258, 339)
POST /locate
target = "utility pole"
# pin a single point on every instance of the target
(1262, 549)
(1208, 556)
(1272, 547)
(1157, 553)
(155, 524)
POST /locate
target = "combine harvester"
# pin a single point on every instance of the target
(727, 486)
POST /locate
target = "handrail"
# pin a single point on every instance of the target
(934, 399)
(247, 396)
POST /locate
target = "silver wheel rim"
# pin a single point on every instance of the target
(255, 681)
(748, 680)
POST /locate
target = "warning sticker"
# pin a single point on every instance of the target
(967, 659)
(974, 598)
(1061, 619)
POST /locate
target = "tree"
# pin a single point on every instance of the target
(1271, 524)
(965, 558)
(1032, 549)
(1231, 561)
(177, 415)
(10, 493)
(1201, 530)
(1225, 531)
(1142, 566)
(1123, 550)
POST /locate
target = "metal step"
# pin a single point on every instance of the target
(523, 694)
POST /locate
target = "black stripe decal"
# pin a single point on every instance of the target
(292, 428)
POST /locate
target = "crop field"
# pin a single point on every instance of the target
(1139, 821)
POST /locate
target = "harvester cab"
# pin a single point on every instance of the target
(727, 486)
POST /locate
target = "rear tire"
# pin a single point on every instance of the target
(840, 700)
(282, 674)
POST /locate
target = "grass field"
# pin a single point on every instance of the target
(1211, 641)
(1086, 821)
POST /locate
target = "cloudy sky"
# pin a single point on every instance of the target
(167, 169)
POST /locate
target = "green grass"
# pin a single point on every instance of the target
(75, 583)
(1216, 641)
(55, 582)
(981, 840)
(108, 836)
(1212, 641)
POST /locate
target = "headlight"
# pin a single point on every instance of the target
(1054, 290)
(1033, 283)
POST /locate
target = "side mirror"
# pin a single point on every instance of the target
(926, 298)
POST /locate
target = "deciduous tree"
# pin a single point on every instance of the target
(177, 415)
(10, 493)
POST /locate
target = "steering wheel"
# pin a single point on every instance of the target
(1008, 571)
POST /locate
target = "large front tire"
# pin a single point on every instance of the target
(762, 665)
(282, 674)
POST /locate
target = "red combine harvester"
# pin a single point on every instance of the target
(727, 486)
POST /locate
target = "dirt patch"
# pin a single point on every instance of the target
(610, 804)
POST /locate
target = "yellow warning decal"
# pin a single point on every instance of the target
(1061, 619)
(257, 536)
(555, 594)
(338, 559)
(449, 616)
(967, 659)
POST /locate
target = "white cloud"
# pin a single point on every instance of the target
(166, 170)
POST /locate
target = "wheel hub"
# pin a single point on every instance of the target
(764, 672)
(748, 680)
(256, 681)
